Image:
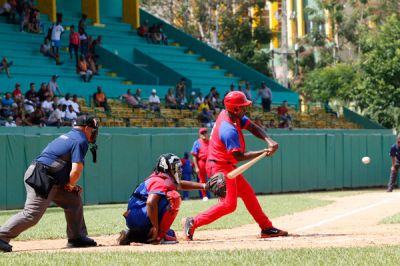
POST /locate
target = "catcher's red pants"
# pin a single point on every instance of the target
(202, 175)
(237, 187)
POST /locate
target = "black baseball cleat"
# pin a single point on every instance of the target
(81, 242)
(123, 238)
(272, 232)
(188, 230)
(5, 247)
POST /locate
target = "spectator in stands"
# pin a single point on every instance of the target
(75, 104)
(213, 98)
(271, 123)
(206, 118)
(46, 50)
(70, 115)
(180, 88)
(93, 46)
(74, 40)
(5, 65)
(143, 31)
(83, 41)
(43, 92)
(170, 101)
(199, 100)
(204, 105)
(10, 122)
(138, 97)
(82, 22)
(31, 94)
(56, 118)
(329, 110)
(56, 31)
(285, 119)
(8, 11)
(92, 64)
(17, 93)
(154, 101)
(84, 71)
(29, 106)
(66, 100)
(190, 103)
(100, 100)
(38, 117)
(240, 88)
(247, 91)
(266, 97)
(53, 87)
(47, 105)
(231, 88)
(6, 105)
(160, 30)
(24, 19)
(34, 24)
(131, 100)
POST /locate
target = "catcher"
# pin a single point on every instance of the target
(155, 203)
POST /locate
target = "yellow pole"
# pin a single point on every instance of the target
(328, 25)
(48, 7)
(300, 18)
(291, 28)
(274, 23)
(91, 8)
(130, 12)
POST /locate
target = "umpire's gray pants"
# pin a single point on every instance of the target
(35, 206)
(393, 177)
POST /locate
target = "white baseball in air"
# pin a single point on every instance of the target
(366, 160)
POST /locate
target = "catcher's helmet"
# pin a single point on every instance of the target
(171, 165)
(235, 100)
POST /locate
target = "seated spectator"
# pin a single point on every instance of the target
(29, 106)
(75, 104)
(66, 100)
(199, 100)
(100, 100)
(38, 117)
(43, 92)
(84, 71)
(6, 105)
(132, 101)
(34, 24)
(31, 94)
(10, 122)
(206, 119)
(271, 124)
(70, 115)
(204, 105)
(143, 30)
(8, 11)
(164, 39)
(74, 40)
(45, 49)
(190, 103)
(22, 120)
(17, 93)
(170, 101)
(284, 116)
(5, 65)
(47, 105)
(154, 101)
(56, 118)
(53, 86)
(92, 65)
(329, 110)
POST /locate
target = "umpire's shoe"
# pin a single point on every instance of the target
(81, 242)
(5, 247)
(124, 238)
(272, 232)
(188, 227)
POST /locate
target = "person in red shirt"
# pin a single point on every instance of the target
(17, 93)
(200, 153)
(285, 119)
(73, 43)
(226, 148)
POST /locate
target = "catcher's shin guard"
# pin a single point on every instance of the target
(174, 199)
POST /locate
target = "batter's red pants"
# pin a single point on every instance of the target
(202, 175)
(236, 187)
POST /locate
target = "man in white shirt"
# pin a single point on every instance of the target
(70, 115)
(65, 100)
(154, 101)
(29, 106)
(53, 86)
(56, 118)
(199, 100)
(47, 105)
(75, 104)
(56, 32)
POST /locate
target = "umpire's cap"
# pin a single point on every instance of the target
(89, 121)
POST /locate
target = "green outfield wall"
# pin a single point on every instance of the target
(307, 160)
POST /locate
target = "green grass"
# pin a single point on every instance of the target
(388, 255)
(107, 219)
(395, 219)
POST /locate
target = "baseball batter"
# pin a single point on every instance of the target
(155, 203)
(226, 148)
(200, 153)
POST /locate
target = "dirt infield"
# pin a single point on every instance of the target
(349, 221)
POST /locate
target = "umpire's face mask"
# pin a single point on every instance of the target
(93, 137)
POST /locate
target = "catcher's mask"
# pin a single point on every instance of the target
(171, 165)
(93, 124)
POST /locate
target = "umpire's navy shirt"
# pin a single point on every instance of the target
(72, 145)
(395, 152)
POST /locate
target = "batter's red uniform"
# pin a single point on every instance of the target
(200, 150)
(226, 138)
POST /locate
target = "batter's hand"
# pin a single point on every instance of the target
(269, 152)
(197, 170)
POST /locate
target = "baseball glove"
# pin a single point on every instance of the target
(216, 184)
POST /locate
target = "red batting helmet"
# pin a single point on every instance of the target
(235, 100)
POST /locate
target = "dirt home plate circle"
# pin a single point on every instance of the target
(366, 160)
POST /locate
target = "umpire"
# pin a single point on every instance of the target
(52, 177)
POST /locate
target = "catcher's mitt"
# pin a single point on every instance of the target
(216, 184)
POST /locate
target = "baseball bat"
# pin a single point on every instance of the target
(241, 169)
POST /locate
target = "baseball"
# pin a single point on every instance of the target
(366, 160)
